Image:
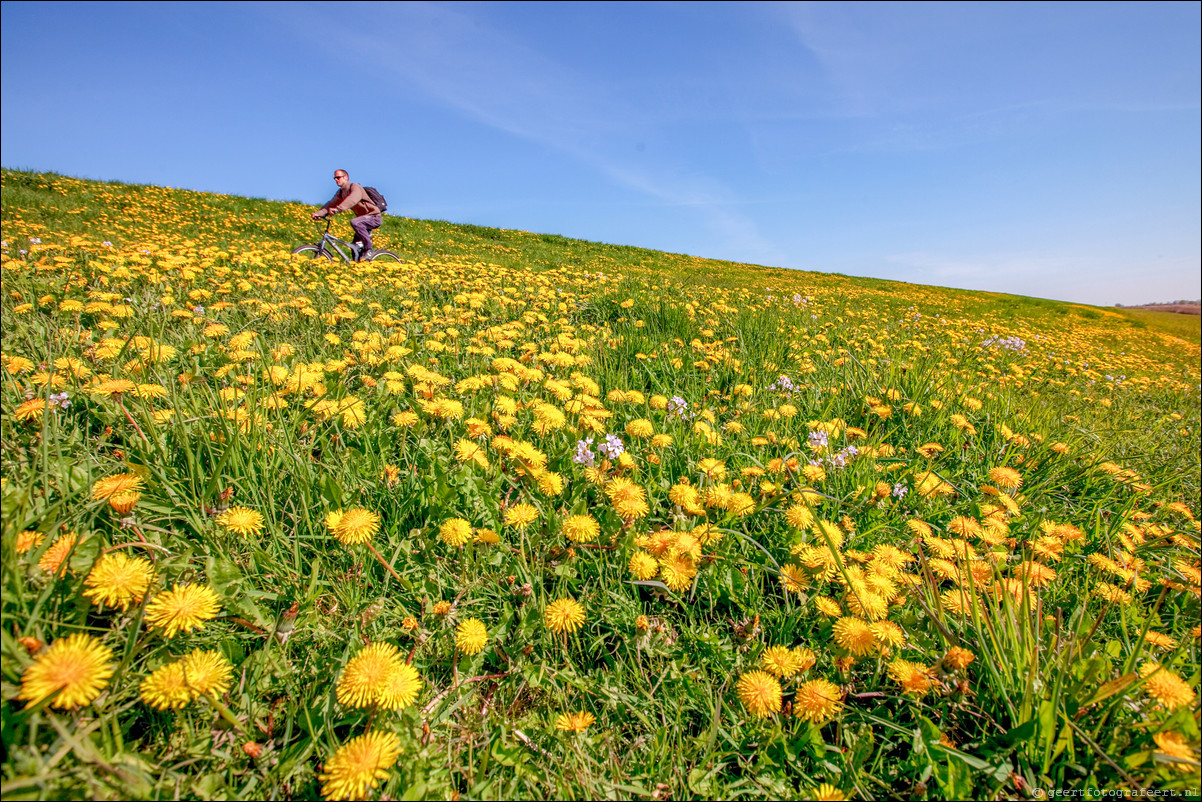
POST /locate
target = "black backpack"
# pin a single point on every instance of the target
(376, 198)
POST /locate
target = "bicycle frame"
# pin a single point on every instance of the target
(329, 239)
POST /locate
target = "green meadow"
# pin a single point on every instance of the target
(527, 517)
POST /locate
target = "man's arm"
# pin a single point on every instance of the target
(354, 195)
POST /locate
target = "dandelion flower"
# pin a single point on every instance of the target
(759, 692)
(640, 428)
(1168, 689)
(912, 677)
(642, 565)
(828, 793)
(30, 410)
(54, 559)
(355, 526)
(455, 532)
(74, 670)
(122, 503)
(581, 528)
(1006, 478)
(521, 515)
(29, 539)
(781, 661)
(574, 722)
(367, 673)
(401, 688)
(957, 658)
(854, 635)
(678, 571)
(359, 765)
(564, 615)
(793, 578)
(241, 521)
(471, 636)
(118, 580)
(207, 672)
(799, 516)
(1173, 744)
(182, 609)
(111, 486)
(888, 634)
(818, 700)
(167, 687)
(828, 607)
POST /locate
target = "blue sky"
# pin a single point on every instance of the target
(1040, 149)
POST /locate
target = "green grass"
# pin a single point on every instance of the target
(1187, 327)
(297, 390)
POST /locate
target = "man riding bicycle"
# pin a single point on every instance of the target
(367, 214)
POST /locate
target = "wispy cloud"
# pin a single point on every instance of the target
(459, 61)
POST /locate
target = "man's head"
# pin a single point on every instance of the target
(342, 178)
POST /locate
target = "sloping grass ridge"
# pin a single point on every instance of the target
(528, 517)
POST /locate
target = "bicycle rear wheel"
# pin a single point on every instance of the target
(385, 256)
(311, 251)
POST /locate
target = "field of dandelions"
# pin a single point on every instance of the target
(526, 517)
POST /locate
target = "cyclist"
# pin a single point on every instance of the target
(367, 214)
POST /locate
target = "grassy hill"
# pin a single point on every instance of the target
(530, 517)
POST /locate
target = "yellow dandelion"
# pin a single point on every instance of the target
(114, 485)
(241, 521)
(912, 677)
(828, 607)
(207, 672)
(957, 658)
(854, 635)
(74, 670)
(378, 675)
(564, 615)
(793, 578)
(678, 571)
(1006, 478)
(521, 515)
(799, 516)
(354, 526)
(1168, 689)
(469, 451)
(828, 793)
(781, 661)
(359, 765)
(29, 539)
(642, 565)
(866, 604)
(471, 636)
(888, 634)
(628, 498)
(182, 609)
(455, 532)
(1174, 745)
(30, 410)
(581, 529)
(122, 503)
(575, 722)
(640, 428)
(167, 687)
(759, 692)
(54, 559)
(817, 700)
(118, 580)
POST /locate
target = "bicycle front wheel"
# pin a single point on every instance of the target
(385, 256)
(311, 252)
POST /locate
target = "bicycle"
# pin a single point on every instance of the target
(329, 245)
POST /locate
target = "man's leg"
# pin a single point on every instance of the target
(363, 226)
